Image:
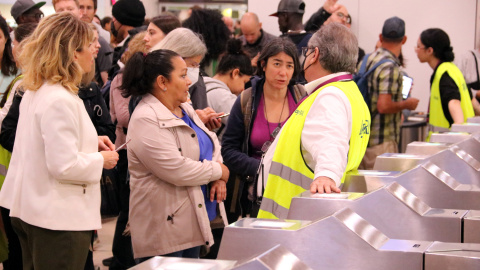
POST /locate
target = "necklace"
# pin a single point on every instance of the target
(279, 126)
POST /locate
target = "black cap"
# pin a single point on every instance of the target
(290, 6)
(129, 12)
(393, 28)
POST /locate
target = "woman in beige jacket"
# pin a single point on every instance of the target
(168, 214)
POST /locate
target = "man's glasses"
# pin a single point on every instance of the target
(37, 16)
(305, 51)
(347, 17)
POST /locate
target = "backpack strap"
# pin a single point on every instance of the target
(246, 104)
(476, 66)
(376, 65)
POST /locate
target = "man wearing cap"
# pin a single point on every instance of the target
(27, 11)
(254, 38)
(325, 138)
(127, 19)
(290, 16)
(385, 88)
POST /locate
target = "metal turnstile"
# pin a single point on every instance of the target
(341, 241)
(172, 263)
(392, 209)
(425, 148)
(455, 161)
(466, 127)
(429, 183)
(398, 162)
(277, 257)
(449, 137)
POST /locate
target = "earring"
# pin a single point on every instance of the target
(165, 89)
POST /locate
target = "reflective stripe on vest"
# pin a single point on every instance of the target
(289, 175)
(437, 117)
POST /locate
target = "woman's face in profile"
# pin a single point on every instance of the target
(177, 85)
(85, 57)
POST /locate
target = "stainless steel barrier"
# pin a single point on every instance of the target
(449, 137)
(341, 241)
(171, 263)
(466, 127)
(277, 257)
(425, 148)
(392, 209)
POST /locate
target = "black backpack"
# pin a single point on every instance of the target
(361, 78)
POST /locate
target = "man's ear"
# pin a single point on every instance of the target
(404, 40)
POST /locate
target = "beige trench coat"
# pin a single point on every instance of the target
(165, 180)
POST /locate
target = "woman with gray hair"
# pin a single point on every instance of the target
(192, 49)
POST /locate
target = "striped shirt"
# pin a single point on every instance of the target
(386, 79)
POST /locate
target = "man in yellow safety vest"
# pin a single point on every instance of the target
(326, 137)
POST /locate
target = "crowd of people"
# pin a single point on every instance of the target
(203, 122)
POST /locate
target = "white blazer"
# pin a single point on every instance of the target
(53, 180)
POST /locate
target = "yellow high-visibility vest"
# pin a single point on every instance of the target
(289, 175)
(437, 117)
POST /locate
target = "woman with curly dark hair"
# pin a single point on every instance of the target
(209, 24)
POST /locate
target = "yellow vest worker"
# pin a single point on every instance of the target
(289, 175)
(437, 117)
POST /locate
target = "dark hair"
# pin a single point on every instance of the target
(166, 22)
(105, 21)
(274, 47)
(439, 41)
(234, 58)
(215, 33)
(142, 70)
(8, 65)
(94, 4)
(24, 30)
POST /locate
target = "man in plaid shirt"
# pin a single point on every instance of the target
(385, 88)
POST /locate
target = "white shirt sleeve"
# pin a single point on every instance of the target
(326, 134)
(8, 103)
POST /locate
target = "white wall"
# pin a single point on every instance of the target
(457, 18)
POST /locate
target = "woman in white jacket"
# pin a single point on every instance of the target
(53, 184)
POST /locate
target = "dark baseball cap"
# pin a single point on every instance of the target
(291, 6)
(393, 28)
(21, 6)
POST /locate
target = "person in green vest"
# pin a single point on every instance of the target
(326, 137)
(450, 99)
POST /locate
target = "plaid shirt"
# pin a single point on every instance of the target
(386, 79)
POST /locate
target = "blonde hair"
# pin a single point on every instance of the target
(54, 2)
(136, 44)
(48, 54)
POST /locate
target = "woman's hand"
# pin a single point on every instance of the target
(218, 187)
(209, 118)
(104, 144)
(225, 172)
(110, 159)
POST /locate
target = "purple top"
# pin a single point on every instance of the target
(260, 132)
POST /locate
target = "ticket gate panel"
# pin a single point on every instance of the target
(364, 181)
(393, 210)
(466, 127)
(452, 256)
(471, 146)
(398, 161)
(435, 187)
(471, 227)
(277, 257)
(425, 148)
(172, 263)
(459, 164)
(449, 137)
(475, 119)
(341, 241)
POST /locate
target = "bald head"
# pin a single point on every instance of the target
(251, 27)
(339, 16)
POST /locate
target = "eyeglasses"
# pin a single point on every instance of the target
(37, 16)
(305, 51)
(267, 144)
(347, 17)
